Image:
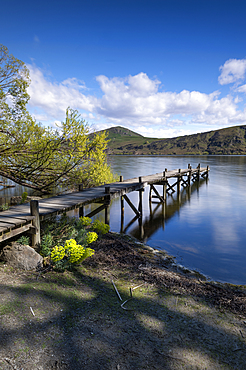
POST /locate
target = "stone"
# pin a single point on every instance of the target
(21, 256)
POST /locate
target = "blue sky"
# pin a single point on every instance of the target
(160, 68)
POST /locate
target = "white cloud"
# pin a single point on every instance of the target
(232, 71)
(241, 89)
(53, 98)
(136, 102)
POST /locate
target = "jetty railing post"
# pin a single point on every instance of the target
(140, 192)
(122, 209)
(34, 210)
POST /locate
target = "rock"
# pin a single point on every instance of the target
(21, 256)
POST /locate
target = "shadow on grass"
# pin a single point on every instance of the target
(79, 324)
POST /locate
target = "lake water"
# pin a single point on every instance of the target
(204, 229)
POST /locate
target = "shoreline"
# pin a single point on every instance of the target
(173, 265)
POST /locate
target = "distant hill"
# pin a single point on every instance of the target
(119, 136)
(230, 140)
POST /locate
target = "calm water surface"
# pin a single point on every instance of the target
(205, 229)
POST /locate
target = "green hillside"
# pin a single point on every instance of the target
(230, 140)
(119, 136)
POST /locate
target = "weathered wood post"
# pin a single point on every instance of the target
(140, 192)
(164, 194)
(107, 203)
(189, 174)
(81, 209)
(206, 177)
(179, 182)
(107, 214)
(150, 210)
(34, 210)
(122, 209)
(198, 172)
(150, 193)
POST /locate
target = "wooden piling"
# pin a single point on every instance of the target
(122, 209)
(107, 189)
(34, 210)
(189, 175)
(164, 189)
(198, 172)
(150, 192)
(107, 214)
(140, 192)
(81, 209)
(179, 182)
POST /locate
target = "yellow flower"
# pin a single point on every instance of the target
(57, 253)
(76, 253)
(91, 237)
(70, 244)
(88, 252)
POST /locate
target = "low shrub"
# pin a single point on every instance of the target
(64, 242)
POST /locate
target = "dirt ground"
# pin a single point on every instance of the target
(127, 307)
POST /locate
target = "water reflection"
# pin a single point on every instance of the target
(161, 213)
(9, 189)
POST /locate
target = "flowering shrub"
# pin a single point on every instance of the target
(85, 221)
(91, 237)
(71, 253)
(100, 227)
(57, 253)
(88, 253)
(64, 242)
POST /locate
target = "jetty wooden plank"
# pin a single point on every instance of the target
(18, 219)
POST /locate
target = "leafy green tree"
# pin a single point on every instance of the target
(14, 80)
(40, 157)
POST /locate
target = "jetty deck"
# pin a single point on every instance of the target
(26, 217)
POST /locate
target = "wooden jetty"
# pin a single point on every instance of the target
(26, 217)
(161, 213)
